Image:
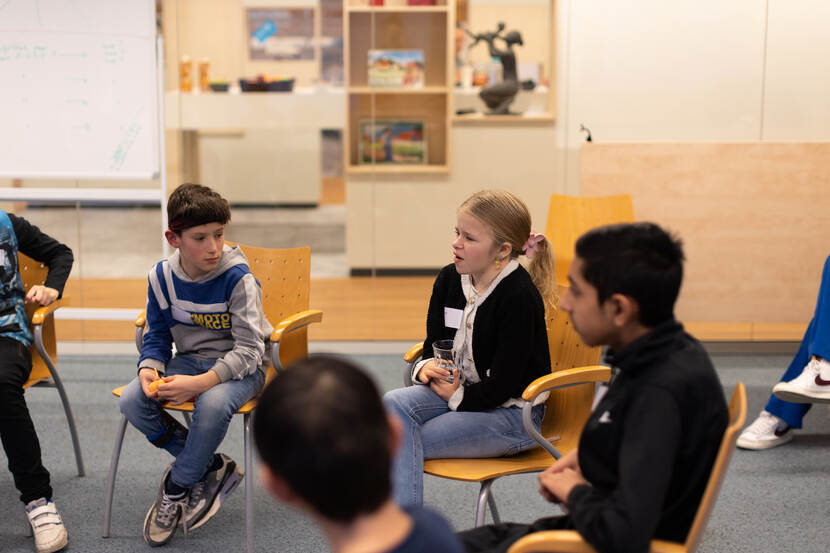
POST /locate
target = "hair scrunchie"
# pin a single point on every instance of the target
(531, 246)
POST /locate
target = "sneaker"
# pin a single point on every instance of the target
(47, 525)
(809, 386)
(207, 495)
(163, 517)
(767, 431)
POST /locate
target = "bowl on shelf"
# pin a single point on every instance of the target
(282, 85)
(219, 86)
(252, 85)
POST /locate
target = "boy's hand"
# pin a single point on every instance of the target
(42, 294)
(556, 486)
(443, 388)
(146, 376)
(180, 388)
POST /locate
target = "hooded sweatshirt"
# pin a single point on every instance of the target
(217, 316)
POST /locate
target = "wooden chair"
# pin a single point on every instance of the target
(569, 541)
(284, 277)
(44, 349)
(574, 373)
(571, 216)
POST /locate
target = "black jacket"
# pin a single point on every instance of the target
(42, 247)
(649, 446)
(510, 341)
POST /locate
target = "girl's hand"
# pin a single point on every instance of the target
(445, 389)
(431, 371)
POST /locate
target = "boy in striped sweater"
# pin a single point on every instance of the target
(204, 299)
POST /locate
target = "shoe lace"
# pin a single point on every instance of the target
(196, 493)
(167, 509)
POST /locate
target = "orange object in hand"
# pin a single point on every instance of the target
(154, 385)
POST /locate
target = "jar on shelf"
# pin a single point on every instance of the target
(185, 74)
(204, 79)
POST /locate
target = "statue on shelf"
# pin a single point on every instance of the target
(499, 96)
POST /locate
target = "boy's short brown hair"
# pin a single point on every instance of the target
(191, 205)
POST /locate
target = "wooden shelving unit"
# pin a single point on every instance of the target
(397, 26)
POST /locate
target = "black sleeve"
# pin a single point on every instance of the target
(626, 519)
(515, 345)
(42, 247)
(435, 314)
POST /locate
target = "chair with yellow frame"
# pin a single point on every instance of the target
(571, 216)
(44, 348)
(284, 277)
(569, 541)
(574, 374)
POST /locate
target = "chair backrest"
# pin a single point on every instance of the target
(737, 417)
(284, 275)
(571, 216)
(34, 272)
(567, 408)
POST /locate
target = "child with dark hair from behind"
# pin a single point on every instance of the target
(327, 443)
(647, 450)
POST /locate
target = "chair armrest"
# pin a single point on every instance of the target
(414, 353)
(41, 313)
(552, 541)
(141, 319)
(567, 377)
(290, 324)
(295, 322)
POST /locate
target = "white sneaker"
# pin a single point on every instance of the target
(767, 431)
(47, 525)
(811, 386)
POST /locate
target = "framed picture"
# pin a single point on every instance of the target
(396, 68)
(280, 33)
(392, 141)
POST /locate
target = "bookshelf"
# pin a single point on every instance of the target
(398, 26)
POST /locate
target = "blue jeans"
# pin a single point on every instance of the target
(211, 416)
(816, 341)
(431, 430)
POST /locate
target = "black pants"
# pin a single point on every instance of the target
(16, 428)
(497, 538)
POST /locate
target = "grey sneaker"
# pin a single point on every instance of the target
(207, 495)
(163, 517)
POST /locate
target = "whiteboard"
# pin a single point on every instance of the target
(79, 94)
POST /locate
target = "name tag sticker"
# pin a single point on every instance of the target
(452, 317)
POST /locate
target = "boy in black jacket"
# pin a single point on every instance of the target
(17, 431)
(646, 452)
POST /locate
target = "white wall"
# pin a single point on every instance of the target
(703, 71)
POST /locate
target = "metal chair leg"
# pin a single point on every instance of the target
(76, 444)
(249, 486)
(481, 505)
(491, 500)
(116, 453)
(187, 418)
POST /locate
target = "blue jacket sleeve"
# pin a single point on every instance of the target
(157, 347)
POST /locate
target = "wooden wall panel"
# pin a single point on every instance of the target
(755, 219)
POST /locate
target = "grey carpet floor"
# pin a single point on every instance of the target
(775, 500)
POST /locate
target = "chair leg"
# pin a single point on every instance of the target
(483, 499)
(249, 487)
(116, 453)
(76, 444)
(491, 500)
(187, 418)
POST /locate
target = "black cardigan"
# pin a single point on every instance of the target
(510, 340)
(41, 247)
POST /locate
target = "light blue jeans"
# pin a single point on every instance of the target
(211, 416)
(431, 430)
